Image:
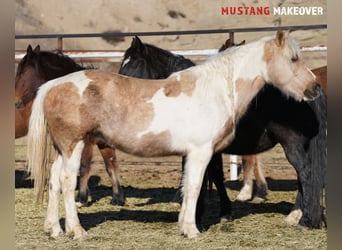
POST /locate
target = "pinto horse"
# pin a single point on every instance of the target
(36, 68)
(156, 118)
(147, 61)
(260, 129)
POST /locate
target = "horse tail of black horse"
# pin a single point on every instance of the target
(318, 155)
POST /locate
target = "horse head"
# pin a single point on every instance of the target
(27, 77)
(150, 62)
(286, 69)
(36, 68)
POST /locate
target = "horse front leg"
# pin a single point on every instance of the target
(195, 166)
(112, 167)
(68, 181)
(307, 210)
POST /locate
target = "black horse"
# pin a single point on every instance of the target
(272, 118)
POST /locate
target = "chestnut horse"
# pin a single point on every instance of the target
(259, 129)
(155, 118)
(36, 68)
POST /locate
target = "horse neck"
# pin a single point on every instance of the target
(243, 69)
(178, 63)
(58, 67)
(52, 73)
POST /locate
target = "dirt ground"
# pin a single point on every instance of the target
(148, 220)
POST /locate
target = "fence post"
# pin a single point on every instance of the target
(60, 43)
(231, 37)
(233, 167)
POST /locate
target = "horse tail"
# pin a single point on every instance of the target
(38, 144)
(318, 156)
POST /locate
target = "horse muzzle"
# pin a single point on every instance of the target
(19, 104)
(312, 94)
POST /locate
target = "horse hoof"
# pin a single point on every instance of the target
(79, 233)
(80, 204)
(226, 218)
(196, 235)
(56, 234)
(243, 198)
(293, 218)
(257, 200)
(302, 228)
(117, 203)
(83, 236)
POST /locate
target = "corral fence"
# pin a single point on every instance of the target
(116, 56)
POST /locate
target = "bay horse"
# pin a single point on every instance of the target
(260, 129)
(36, 68)
(155, 118)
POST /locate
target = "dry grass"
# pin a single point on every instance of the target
(149, 221)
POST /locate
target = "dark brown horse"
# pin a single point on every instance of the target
(36, 68)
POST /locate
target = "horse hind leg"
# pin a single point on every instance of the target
(261, 184)
(68, 183)
(112, 168)
(51, 224)
(248, 165)
(83, 192)
(215, 172)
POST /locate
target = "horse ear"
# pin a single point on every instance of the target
(242, 43)
(228, 43)
(37, 49)
(29, 50)
(280, 38)
(137, 44)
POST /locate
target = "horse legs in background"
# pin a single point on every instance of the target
(112, 168)
(250, 163)
(215, 172)
(87, 155)
(109, 157)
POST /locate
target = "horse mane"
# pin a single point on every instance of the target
(52, 60)
(47, 65)
(162, 61)
(61, 60)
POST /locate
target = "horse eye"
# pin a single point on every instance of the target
(295, 58)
